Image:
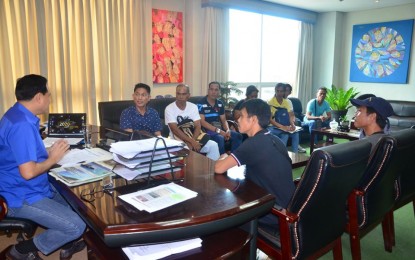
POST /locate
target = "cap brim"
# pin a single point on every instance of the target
(358, 102)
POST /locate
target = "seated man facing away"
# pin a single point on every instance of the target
(180, 110)
(283, 118)
(318, 112)
(265, 156)
(141, 117)
(24, 163)
(372, 117)
(212, 116)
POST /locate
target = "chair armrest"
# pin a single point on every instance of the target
(3, 207)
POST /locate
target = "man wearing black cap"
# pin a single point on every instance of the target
(372, 116)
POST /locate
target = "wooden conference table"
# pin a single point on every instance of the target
(222, 203)
(353, 134)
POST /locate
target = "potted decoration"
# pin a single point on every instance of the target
(226, 89)
(339, 101)
(344, 124)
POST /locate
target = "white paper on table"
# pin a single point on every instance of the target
(160, 197)
(157, 251)
(49, 141)
(75, 156)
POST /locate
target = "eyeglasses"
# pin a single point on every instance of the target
(97, 192)
(89, 195)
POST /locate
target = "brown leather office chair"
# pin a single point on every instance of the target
(315, 218)
(404, 168)
(373, 198)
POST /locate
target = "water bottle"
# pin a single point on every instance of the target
(334, 125)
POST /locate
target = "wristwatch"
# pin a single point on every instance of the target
(217, 130)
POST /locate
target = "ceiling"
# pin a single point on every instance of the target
(341, 5)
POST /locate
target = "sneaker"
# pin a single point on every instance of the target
(13, 254)
(301, 149)
(77, 246)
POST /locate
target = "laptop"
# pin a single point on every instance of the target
(70, 126)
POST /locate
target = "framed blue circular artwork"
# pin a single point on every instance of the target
(381, 51)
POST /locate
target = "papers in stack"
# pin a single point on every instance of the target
(144, 148)
(159, 197)
(158, 251)
(82, 173)
(142, 171)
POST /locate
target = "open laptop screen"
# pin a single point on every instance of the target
(66, 125)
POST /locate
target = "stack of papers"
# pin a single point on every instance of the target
(143, 171)
(159, 197)
(136, 156)
(144, 148)
(158, 251)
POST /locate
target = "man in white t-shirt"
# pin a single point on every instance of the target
(181, 109)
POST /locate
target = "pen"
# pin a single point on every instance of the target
(87, 166)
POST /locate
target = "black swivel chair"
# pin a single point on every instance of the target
(373, 198)
(405, 171)
(315, 218)
(25, 227)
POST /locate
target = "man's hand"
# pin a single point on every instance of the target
(226, 134)
(194, 145)
(58, 150)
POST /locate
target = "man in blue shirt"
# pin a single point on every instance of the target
(318, 112)
(141, 117)
(24, 162)
(213, 120)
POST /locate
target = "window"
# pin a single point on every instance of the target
(263, 51)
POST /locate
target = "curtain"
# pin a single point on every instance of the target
(215, 56)
(86, 49)
(304, 66)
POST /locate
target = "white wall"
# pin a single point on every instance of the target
(344, 29)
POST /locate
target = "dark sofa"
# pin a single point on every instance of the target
(110, 111)
(404, 114)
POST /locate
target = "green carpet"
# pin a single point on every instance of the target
(372, 244)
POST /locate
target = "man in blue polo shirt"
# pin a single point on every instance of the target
(24, 162)
(140, 116)
(213, 120)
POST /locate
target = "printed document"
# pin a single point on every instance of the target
(159, 197)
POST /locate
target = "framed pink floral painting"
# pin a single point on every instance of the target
(167, 32)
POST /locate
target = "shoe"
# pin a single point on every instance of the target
(77, 246)
(301, 149)
(13, 254)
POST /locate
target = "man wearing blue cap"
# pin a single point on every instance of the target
(372, 116)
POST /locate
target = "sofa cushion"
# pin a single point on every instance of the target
(404, 114)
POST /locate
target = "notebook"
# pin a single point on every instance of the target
(70, 126)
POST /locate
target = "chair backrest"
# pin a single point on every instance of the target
(403, 166)
(321, 195)
(377, 184)
(297, 107)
